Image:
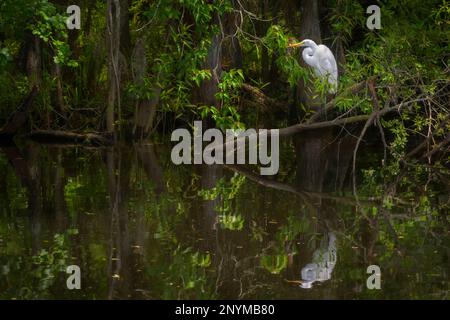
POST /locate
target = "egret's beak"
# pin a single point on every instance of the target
(306, 284)
(295, 45)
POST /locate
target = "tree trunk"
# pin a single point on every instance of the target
(209, 88)
(113, 39)
(19, 117)
(309, 29)
(310, 148)
(290, 7)
(262, 30)
(145, 110)
(60, 104)
(34, 63)
(231, 47)
(125, 38)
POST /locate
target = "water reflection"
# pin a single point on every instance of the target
(141, 228)
(323, 262)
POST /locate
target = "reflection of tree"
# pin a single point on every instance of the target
(162, 246)
(234, 269)
(35, 273)
(59, 184)
(149, 162)
(29, 175)
(303, 194)
(129, 227)
(210, 177)
(212, 231)
(118, 164)
(323, 160)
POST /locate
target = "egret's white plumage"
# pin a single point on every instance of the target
(324, 261)
(322, 60)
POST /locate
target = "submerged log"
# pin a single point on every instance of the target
(61, 137)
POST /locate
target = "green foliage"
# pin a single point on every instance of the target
(293, 227)
(43, 19)
(180, 49)
(201, 75)
(344, 18)
(49, 263)
(176, 254)
(16, 14)
(275, 264)
(226, 115)
(400, 137)
(40, 272)
(5, 57)
(277, 42)
(403, 228)
(442, 14)
(232, 222)
(50, 27)
(226, 192)
(186, 273)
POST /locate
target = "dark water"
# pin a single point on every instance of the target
(140, 227)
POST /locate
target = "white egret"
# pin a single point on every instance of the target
(324, 261)
(321, 59)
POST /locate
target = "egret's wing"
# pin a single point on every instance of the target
(327, 66)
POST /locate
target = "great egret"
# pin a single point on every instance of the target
(321, 59)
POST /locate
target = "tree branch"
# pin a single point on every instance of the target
(288, 188)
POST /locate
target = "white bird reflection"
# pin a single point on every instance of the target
(322, 265)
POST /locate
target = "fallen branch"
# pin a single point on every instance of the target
(438, 147)
(422, 145)
(288, 188)
(327, 124)
(330, 104)
(296, 128)
(55, 136)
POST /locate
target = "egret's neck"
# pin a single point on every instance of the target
(308, 55)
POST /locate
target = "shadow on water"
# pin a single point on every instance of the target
(140, 227)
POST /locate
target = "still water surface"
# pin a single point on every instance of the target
(140, 227)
